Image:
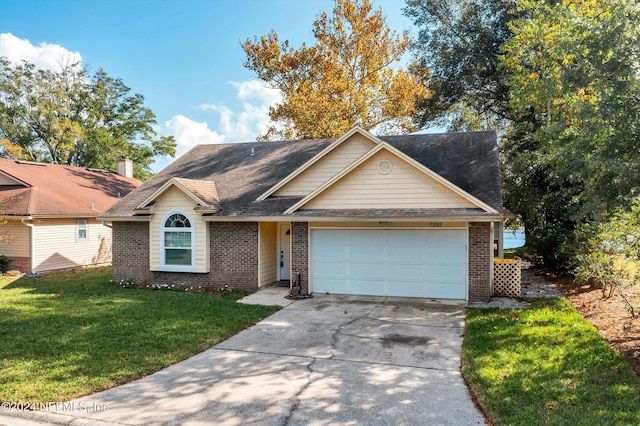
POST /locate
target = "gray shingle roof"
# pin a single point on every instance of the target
(244, 171)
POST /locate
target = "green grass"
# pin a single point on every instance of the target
(68, 334)
(546, 366)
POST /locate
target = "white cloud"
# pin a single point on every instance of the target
(253, 119)
(233, 126)
(189, 133)
(45, 55)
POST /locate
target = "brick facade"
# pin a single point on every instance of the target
(234, 254)
(234, 257)
(233, 249)
(300, 254)
(130, 252)
(480, 261)
(22, 264)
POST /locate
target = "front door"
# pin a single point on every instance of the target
(284, 259)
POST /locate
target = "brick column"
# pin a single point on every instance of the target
(480, 261)
(300, 254)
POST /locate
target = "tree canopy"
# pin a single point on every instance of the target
(560, 80)
(347, 78)
(69, 117)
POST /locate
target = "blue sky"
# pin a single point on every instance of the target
(184, 56)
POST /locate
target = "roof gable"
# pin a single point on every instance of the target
(203, 192)
(324, 165)
(7, 180)
(43, 189)
(386, 178)
(244, 172)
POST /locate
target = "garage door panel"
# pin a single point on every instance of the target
(406, 238)
(330, 236)
(372, 270)
(407, 271)
(445, 273)
(446, 254)
(441, 238)
(363, 237)
(408, 254)
(367, 287)
(391, 262)
(442, 290)
(331, 285)
(329, 253)
(400, 288)
(370, 253)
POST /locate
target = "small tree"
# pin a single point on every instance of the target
(610, 253)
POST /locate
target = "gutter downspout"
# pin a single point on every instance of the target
(104, 223)
(32, 246)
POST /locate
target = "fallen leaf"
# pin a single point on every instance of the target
(613, 368)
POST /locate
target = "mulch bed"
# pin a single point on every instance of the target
(608, 316)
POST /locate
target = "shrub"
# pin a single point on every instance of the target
(4, 263)
(610, 252)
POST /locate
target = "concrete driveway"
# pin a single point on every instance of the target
(321, 361)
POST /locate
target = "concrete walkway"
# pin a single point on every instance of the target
(326, 360)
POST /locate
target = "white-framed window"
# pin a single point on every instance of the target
(82, 229)
(178, 245)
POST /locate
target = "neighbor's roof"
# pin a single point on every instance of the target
(41, 189)
(243, 172)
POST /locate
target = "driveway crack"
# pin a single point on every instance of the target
(334, 336)
(296, 403)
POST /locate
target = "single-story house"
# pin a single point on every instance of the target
(50, 213)
(412, 216)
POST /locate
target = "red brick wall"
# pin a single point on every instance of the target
(22, 264)
(233, 249)
(130, 252)
(234, 254)
(480, 261)
(300, 254)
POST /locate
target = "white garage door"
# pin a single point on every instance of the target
(407, 263)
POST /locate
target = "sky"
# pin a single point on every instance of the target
(183, 56)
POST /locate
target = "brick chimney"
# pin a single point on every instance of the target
(125, 167)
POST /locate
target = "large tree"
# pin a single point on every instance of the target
(69, 117)
(559, 79)
(575, 65)
(459, 43)
(347, 78)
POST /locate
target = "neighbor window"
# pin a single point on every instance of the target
(81, 226)
(177, 239)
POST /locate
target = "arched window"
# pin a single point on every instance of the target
(177, 239)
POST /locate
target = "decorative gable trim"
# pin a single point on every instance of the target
(317, 157)
(193, 189)
(408, 160)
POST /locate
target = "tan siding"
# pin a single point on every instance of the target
(174, 199)
(268, 253)
(6, 180)
(56, 245)
(403, 187)
(328, 166)
(15, 239)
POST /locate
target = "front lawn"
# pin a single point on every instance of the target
(546, 365)
(68, 334)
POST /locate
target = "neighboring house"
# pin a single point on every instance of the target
(51, 213)
(412, 216)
